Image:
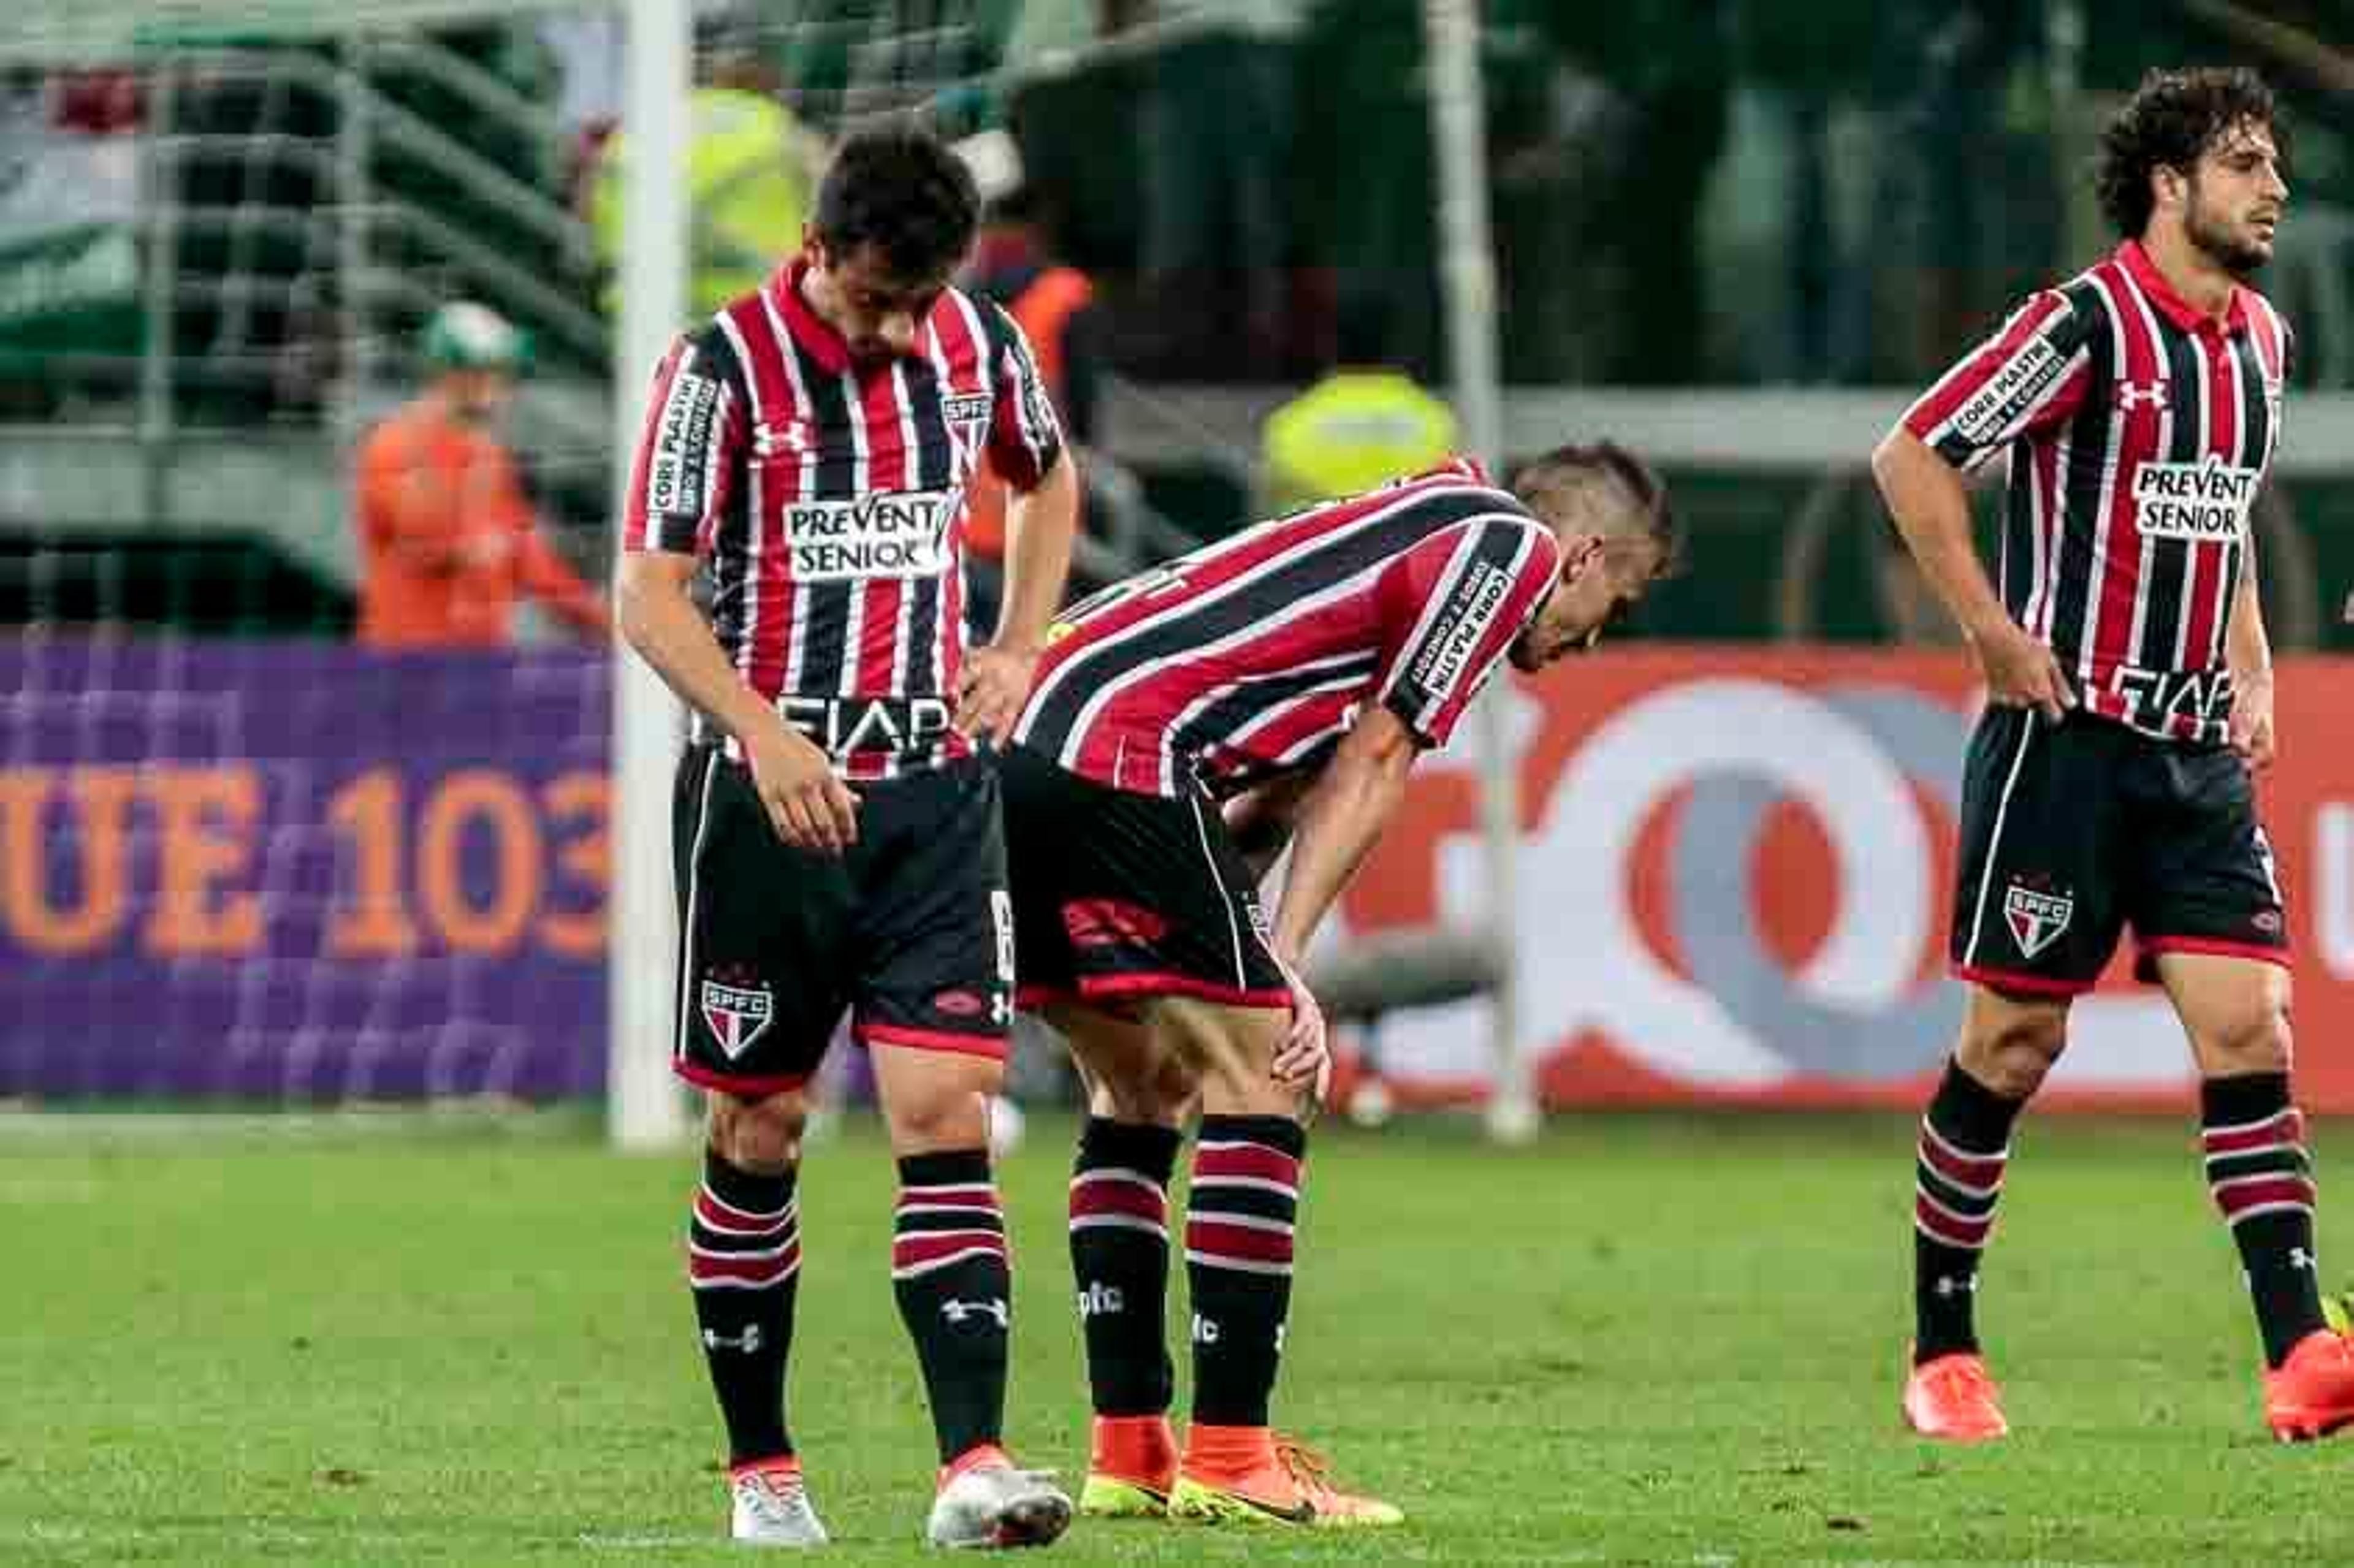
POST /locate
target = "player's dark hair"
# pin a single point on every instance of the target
(900, 189)
(1602, 481)
(2175, 117)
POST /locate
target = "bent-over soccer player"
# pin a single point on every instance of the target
(1293, 671)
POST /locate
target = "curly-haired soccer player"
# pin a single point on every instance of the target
(2130, 697)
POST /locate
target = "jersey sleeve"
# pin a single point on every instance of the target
(2027, 379)
(1024, 436)
(1464, 595)
(688, 452)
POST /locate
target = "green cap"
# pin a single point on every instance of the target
(463, 335)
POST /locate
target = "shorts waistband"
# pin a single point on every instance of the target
(861, 729)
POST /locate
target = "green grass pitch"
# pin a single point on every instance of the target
(1664, 1339)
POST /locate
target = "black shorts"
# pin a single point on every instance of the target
(1118, 894)
(2071, 832)
(911, 930)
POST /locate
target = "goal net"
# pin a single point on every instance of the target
(247, 853)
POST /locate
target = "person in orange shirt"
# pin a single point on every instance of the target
(1054, 306)
(448, 541)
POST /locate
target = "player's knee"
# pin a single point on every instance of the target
(1158, 1091)
(950, 1118)
(1236, 1066)
(762, 1134)
(2251, 1039)
(1129, 1074)
(2012, 1051)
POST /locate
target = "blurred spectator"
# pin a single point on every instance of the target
(1970, 198)
(1361, 426)
(1668, 63)
(1217, 127)
(1792, 193)
(751, 169)
(1014, 263)
(95, 103)
(447, 542)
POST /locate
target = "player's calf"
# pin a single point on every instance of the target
(743, 1265)
(1119, 1267)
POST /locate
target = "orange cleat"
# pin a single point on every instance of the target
(1132, 1466)
(2312, 1393)
(1951, 1399)
(1248, 1475)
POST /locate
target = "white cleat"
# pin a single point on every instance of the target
(992, 1506)
(772, 1508)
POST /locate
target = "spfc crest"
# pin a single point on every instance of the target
(737, 1014)
(2037, 919)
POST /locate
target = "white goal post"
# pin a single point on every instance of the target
(644, 1105)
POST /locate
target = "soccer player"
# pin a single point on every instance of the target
(1293, 671)
(839, 843)
(2130, 695)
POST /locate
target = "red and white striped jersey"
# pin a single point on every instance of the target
(828, 498)
(1252, 656)
(2139, 430)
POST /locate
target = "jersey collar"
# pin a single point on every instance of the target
(2178, 310)
(814, 334)
(809, 330)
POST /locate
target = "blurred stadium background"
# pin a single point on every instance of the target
(245, 861)
(249, 864)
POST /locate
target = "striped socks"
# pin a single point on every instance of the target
(950, 1271)
(1238, 1239)
(1120, 1261)
(2261, 1180)
(1964, 1145)
(743, 1262)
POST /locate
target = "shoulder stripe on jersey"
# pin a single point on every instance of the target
(751, 613)
(2092, 446)
(1278, 587)
(1504, 550)
(965, 352)
(1220, 635)
(2150, 435)
(2090, 498)
(1935, 409)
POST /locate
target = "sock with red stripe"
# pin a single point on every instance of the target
(2262, 1179)
(1120, 1260)
(1964, 1143)
(743, 1261)
(1238, 1233)
(955, 1286)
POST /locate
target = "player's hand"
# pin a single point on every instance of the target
(1304, 1060)
(2020, 671)
(994, 683)
(810, 807)
(2252, 719)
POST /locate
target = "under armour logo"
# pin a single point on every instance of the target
(2133, 394)
(1949, 1286)
(956, 1311)
(747, 1341)
(2298, 1258)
